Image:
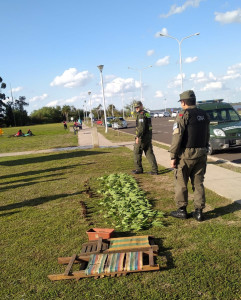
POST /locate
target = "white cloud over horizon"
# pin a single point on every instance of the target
(17, 89)
(180, 9)
(163, 61)
(36, 98)
(229, 17)
(159, 94)
(52, 103)
(121, 85)
(189, 60)
(218, 85)
(72, 78)
(150, 52)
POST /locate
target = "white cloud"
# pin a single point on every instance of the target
(17, 89)
(71, 78)
(150, 52)
(37, 98)
(176, 82)
(233, 72)
(109, 78)
(119, 85)
(228, 17)
(218, 85)
(189, 60)
(52, 103)
(202, 77)
(163, 31)
(159, 94)
(179, 9)
(163, 61)
(72, 100)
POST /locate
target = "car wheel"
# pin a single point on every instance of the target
(210, 150)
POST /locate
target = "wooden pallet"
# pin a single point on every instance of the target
(68, 274)
(104, 247)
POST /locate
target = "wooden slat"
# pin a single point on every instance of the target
(70, 264)
(99, 244)
(83, 250)
(81, 274)
(151, 259)
(88, 249)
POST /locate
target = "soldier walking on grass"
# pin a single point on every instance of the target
(143, 141)
(189, 155)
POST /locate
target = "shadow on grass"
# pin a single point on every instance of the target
(221, 211)
(36, 201)
(166, 253)
(217, 162)
(25, 184)
(29, 180)
(164, 171)
(51, 157)
(9, 213)
(30, 173)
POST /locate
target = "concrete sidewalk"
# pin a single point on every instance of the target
(222, 181)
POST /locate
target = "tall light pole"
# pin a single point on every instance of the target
(140, 70)
(180, 53)
(89, 93)
(100, 67)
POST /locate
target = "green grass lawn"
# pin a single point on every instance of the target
(45, 137)
(41, 219)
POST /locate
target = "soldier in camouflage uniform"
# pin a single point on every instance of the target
(143, 141)
(189, 155)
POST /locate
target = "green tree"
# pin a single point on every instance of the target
(20, 113)
(66, 109)
(2, 97)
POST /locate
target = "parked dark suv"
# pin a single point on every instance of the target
(225, 124)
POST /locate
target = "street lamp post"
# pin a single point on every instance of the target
(89, 93)
(100, 67)
(140, 70)
(180, 53)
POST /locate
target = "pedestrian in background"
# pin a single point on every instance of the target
(189, 155)
(65, 125)
(143, 141)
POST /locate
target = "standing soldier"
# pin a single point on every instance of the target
(189, 155)
(143, 140)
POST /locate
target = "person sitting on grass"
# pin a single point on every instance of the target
(19, 133)
(29, 133)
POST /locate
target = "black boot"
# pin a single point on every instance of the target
(153, 173)
(137, 171)
(198, 215)
(181, 213)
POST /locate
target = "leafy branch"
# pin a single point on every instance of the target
(127, 204)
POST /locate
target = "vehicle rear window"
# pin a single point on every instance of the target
(223, 115)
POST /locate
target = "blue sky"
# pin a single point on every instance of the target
(51, 49)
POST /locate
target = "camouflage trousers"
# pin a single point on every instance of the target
(146, 146)
(194, 169)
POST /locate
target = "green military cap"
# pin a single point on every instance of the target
(187, 95)
(138, 104)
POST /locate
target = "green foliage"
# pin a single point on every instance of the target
(127, 204)
(56, 114)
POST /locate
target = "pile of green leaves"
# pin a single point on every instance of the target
(127, 204)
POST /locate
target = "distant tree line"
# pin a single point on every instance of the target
(13, 113)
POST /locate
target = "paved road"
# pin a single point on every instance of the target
(162, 132)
